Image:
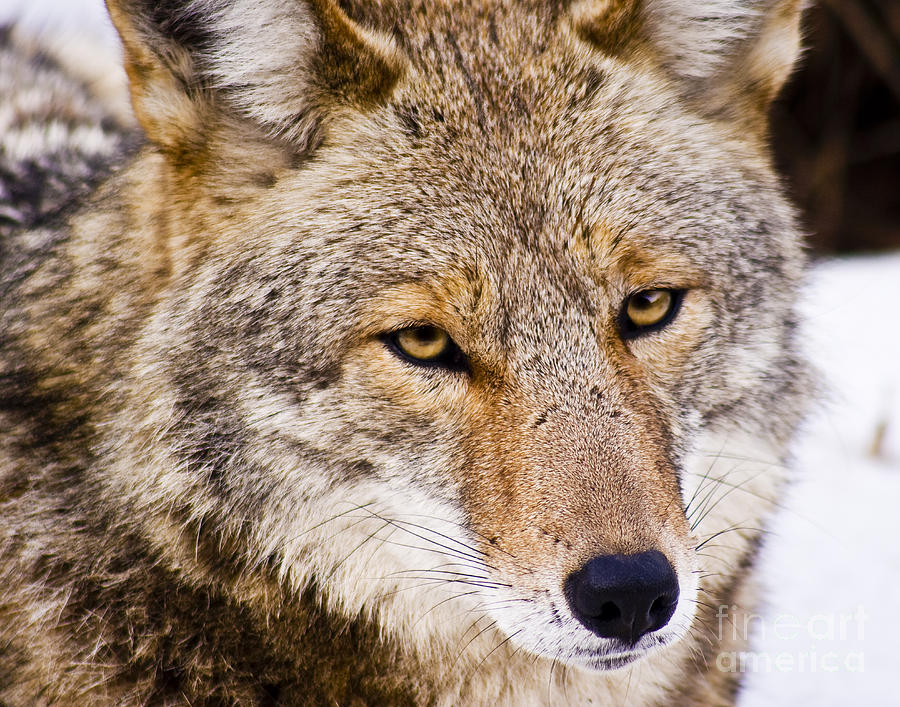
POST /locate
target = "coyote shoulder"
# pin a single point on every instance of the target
(406, 353)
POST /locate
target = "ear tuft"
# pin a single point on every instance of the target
(732, 56)
(695, 40)
(287, 66)
(290, 65)
(358, 64)
(610, 25)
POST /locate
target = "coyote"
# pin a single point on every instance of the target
(406, 353)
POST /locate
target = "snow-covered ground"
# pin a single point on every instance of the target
(832, 564)
(61, 16)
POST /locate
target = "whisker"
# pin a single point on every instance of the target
(440, 571)
(442, 602)
(468, 582)
(729, 530)
(740, 487)
(701, 485)
(452, 551)
(356, 507)
(731, 489)
(467, 529)
(550, 677)
(371, 535)
(491, 625)
(493, 650)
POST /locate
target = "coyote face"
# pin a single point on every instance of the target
(456, 317)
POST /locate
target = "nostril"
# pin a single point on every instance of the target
(624, 596)
(661, 611)
(661, 605)
(609, 612)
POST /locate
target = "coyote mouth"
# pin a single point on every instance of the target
(608, 662)
(605, 660)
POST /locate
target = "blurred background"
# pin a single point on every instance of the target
(836, 128)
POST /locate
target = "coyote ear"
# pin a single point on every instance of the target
(287, 65)
(732, 56)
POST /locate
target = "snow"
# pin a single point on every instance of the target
(61, 17)
(832, 561)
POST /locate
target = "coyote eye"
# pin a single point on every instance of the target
(426, 346)
(648, 310)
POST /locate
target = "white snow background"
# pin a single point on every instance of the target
(827, 634)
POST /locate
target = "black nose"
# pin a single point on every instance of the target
(624, 596)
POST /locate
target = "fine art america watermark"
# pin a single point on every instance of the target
(828, 630)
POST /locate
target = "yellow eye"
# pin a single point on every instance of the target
(649, 310)
(427, 346)
(423, 343)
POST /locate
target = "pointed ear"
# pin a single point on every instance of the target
(287, 65)
(731, 56)
(737, 55)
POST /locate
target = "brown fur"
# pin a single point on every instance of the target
(219, 483)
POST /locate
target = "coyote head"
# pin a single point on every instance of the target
(443, 296)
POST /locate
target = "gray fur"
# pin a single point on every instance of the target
(197, 412)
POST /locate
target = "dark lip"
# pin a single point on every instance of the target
(599, 663)
(612, 661)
